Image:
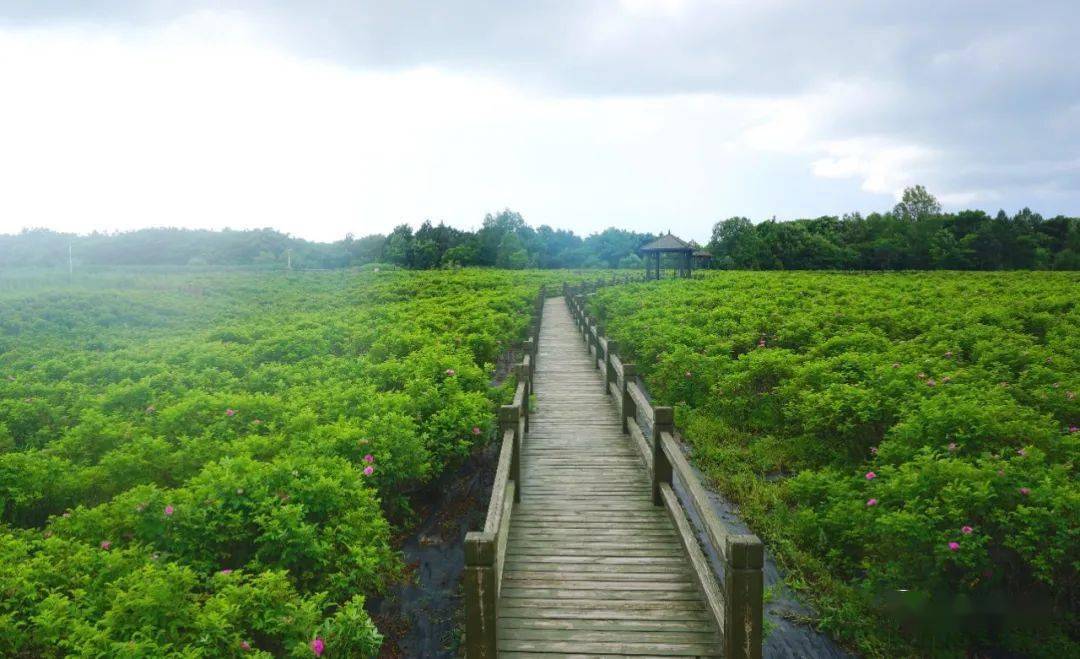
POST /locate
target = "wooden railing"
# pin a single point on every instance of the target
(485, 550)
(737, 605)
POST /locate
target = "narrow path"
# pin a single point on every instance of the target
(592, 566)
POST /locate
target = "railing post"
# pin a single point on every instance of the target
(599, 355)
(663, 421)
(743, 587)
(480, 596)
(609, 370)
(524, 374)
(629, 407)
(509, 417)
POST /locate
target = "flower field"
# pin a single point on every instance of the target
(904, 443)
(207, 464)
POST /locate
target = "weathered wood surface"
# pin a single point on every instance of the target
(592, 566)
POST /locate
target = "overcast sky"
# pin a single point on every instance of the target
(322, 117)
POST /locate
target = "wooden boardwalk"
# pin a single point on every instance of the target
(592, 566)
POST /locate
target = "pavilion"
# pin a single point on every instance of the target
(668, 244)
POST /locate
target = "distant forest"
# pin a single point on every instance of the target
(915, 234)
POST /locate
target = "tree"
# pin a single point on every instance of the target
(916, 204)
(398, 246)
(510, 253)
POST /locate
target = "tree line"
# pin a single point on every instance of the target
(915, 234)
(503, 241)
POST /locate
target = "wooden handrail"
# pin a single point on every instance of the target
(737, 605)
(485, 550)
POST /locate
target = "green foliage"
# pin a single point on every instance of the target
(956, 392)
(183, 457)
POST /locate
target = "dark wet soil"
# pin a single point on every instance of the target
(422, 617)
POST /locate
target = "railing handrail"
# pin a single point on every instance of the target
(485, 550)
(738, 604)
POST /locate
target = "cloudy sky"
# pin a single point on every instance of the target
(321, 117)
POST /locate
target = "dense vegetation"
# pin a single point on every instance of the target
(914, 235)
(206, 464)
(904, 443)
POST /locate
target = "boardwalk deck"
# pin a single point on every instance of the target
(592, 566)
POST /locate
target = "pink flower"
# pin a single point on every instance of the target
(922, 376)
(870, 475)
(1021, 452)
(105, 544)
(317, 646)
(230, 411)
(369, 458)
(896, 364)
(966, 530)
(871, 502)
(952, 447)
(169, 510)
(931, 383)
(245, 646)
(67, 513)
(450, 371)
(1073, 429)
(946, 379)
(369, 470)
(873, 450)
(1025, 491)
(954, 546)
(761, 342)
(257, 422)
(225, 571)
(476, 430)
(949, 353)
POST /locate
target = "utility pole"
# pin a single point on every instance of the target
(288, 254)
(71, 267)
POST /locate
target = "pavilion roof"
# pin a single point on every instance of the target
(667, 243)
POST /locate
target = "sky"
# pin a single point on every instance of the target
(327, 117)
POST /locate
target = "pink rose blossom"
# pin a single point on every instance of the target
(949, 353)
(450, 371)
(230, 412)
(954, 546)
(952, 447)
(1073, 429)
(317, 646)
(369, 470)
(871, 502)
(1021, 452)
(921, 375)
(1025, 491)
(931, 383)
(946, 379)
(966, 530)
(105, 544)
(169, 510)
(245, 646)
(225, 571)
(870, 475)
(873, 450)
(476, 430)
